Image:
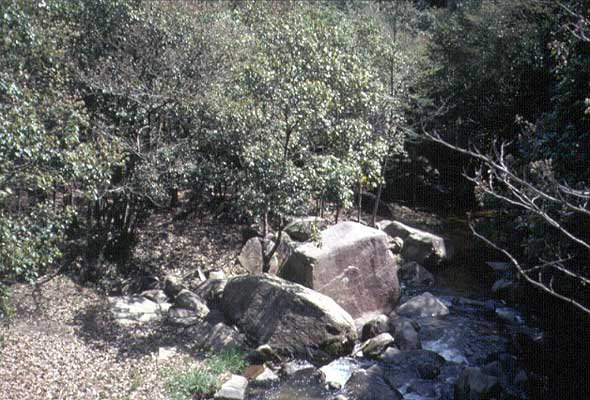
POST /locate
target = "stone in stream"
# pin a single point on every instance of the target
(352, 265)
(374, 347)
(373, 327)
(233, 389)
(405, 332)
(291, 318)
(473, 384)
(369, 385)
(423, 305)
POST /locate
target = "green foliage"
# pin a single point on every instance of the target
(204, 381)
(300, 109)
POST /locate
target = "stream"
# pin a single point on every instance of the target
(479, 332)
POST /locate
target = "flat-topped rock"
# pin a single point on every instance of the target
(352, 265)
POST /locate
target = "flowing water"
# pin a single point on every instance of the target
(479, 332)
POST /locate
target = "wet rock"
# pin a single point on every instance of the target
(172, 286)
(413, 274)
(473, 384)
(266, 378)
(131, 310)
(509, 315)
(369, 385)
(233, 389)
(405, 366)
(291, 318)
(423, 247)
(405, 333)
(304, 229)
(374, 347)
(339, 371)
(424, 305)
(374, 326)
(353, 266)
(291, 367)
(190, 301)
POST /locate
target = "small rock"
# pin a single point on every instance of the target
(216, 275)
(374, 327)
(233, 389)
(190, 301)
(182, 317)
(164, 353)
(473, 384)
(172, 286)
(374, 347)
(370, 385)
(156, 295)
(414, 274)
(406, 334)
(266, 378)
(424, 305)
(263, 354)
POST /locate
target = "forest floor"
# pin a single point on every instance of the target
(61, 342)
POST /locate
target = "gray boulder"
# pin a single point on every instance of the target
(211, 291)
(292, 319)
(369, 385)
(423, 247)
(423, 305)
(352, 265)
(475, 385)
(251, 255)
(172, 286)
(405, 333)
(374, 326)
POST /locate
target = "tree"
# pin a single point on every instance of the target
(538, 179)
(301, 109)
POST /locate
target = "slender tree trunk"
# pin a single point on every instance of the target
(360, 203)
(378, 198)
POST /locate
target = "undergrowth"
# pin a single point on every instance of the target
(199, 383)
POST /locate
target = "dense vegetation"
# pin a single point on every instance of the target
(257, 110)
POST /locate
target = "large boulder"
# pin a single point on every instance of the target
(423, 247)
(352, 265)
(291, 318)
(423, 305)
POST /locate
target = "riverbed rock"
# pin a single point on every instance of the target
(305, 229)
(374, 326)
(405, 333)
(291, 318)
(353, 266)
(403, 367)
(374, 347)
(423, 305)
(232, 389)
(423, 247)
(413, 274)
(475, 385)
(369, 385)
